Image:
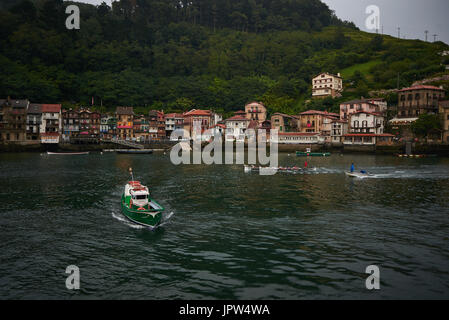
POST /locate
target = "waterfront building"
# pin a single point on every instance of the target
(108, 126)
(125, 118)
(444, 112)
(326, 128)
(217, 119)
(256, 111)
(201, 119)
(85, 123)
(327, 85)
(312, 121)
(376, 105)
(339, 129)
(104, 126)
(34, 119)
(161, 125)
(368, 139)
(71, 123)
(414, 101)
(285, 123)
(366, 122)
(141, 128)
(95, 122)
(13, 120)
(153, 124)
(173, 121)
(51, 119)
(236, 127)
(219, 130)
(417, 100)
(300, 138)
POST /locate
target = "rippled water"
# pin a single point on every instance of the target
(227, 234)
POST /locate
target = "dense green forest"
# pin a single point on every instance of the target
(218, 54)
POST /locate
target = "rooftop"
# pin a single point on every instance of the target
(371, 113)
(196, 112)
(421, 87)
(52, 108)
(35, 108)
(322, 113)
(237, 118)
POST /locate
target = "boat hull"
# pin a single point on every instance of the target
(135, 152)
(313, 154)
(67, 153)
(358, 175)
(150, 218)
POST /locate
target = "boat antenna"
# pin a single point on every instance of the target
(131, 173)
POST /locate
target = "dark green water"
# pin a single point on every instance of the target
(231, 235)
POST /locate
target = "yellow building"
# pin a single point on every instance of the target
(256, 111)
(125, 122)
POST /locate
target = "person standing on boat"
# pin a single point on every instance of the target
(306, 164)
(352, 168)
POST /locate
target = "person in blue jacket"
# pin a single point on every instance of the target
(352, 168)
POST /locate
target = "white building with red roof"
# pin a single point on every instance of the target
(367, 122)
(236, 127)
(367, 128)
(197, 122)
(51, 122)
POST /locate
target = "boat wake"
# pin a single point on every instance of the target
(123, 219)
(166, 218)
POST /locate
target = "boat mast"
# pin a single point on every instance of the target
(131, 172)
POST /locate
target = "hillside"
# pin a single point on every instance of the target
(212, 54)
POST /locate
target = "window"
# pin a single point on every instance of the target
(410, 97)
(417, 96)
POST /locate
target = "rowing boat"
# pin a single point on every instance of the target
(67, 153)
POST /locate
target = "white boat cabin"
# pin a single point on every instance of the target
(138, 193)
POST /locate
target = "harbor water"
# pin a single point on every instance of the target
(226, 234)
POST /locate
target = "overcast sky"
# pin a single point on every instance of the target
(412, 16)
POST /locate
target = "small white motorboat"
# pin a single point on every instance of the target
(359, 175)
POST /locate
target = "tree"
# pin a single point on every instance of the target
(25, 9)
(377, 42)
(426, 125)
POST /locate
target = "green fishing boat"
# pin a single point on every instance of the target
(312, 154)
(139, 207)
